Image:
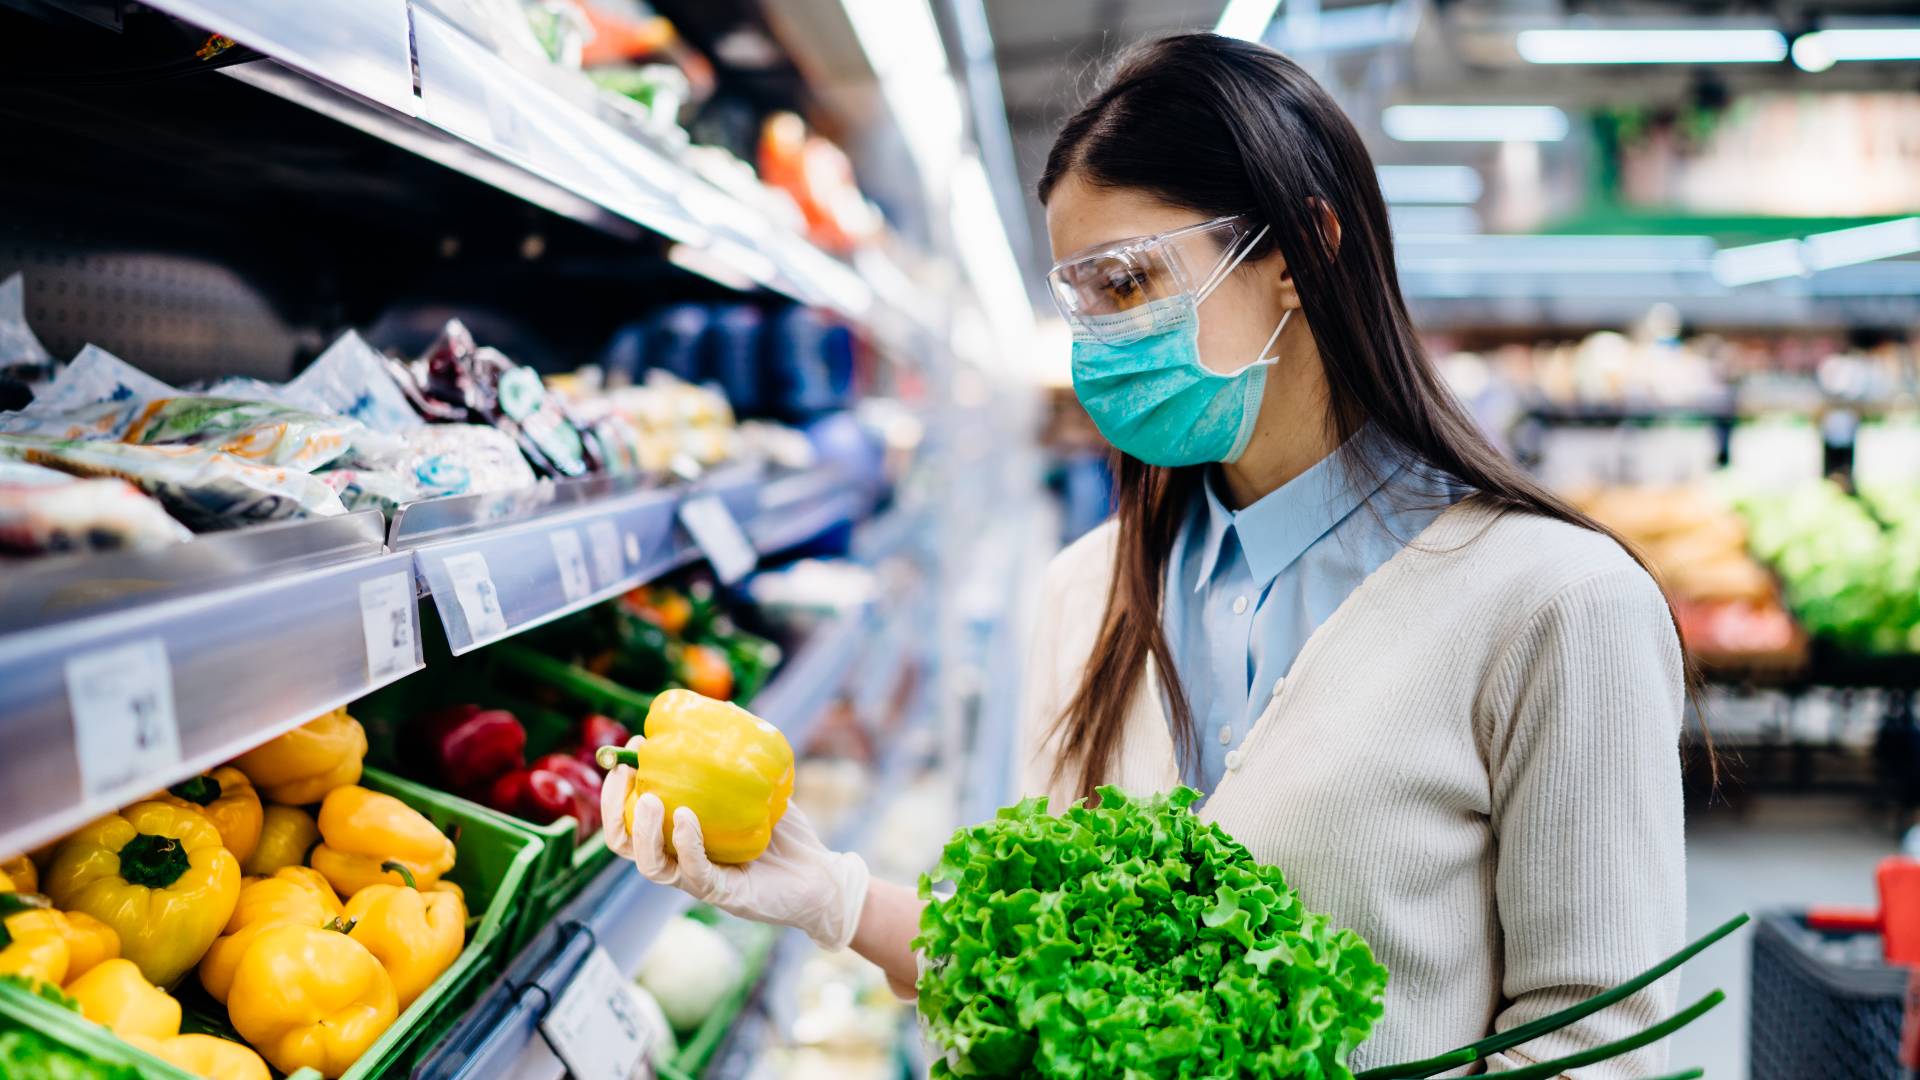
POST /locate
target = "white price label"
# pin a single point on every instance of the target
(473, 590)
(595, 1027)
(571, 558)
(386, 617)
(124, 728)
(719, 536)
(603, 539)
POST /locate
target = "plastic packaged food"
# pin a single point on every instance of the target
(353, 380)
(258, 431)
(203, 488)
(97, 376)
(56, 513)
(457, 380)
(435, 460)
(17, 341)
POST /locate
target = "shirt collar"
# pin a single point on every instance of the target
(1285, 522)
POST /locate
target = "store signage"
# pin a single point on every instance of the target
(124, 728)
(595, 1027)
(386, 618)
(571, 557)
(719, 537)
(474, 592)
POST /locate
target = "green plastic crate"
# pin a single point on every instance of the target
(756, 942)
(492, 866)
(88, 1039)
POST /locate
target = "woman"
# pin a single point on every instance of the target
(1442, 701)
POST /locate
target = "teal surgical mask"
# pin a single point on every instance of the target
(1153, 399)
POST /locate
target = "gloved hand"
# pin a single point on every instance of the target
(797, 882)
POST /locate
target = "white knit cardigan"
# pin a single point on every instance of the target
(1472, 763)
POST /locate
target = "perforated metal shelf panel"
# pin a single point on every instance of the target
(175, 316)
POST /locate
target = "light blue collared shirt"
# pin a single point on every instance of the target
(1246, 588)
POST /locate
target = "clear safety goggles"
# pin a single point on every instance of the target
(1111, 293)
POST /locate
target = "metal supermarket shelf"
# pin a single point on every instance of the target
(496, 565)
(121, 674)
(426, 77)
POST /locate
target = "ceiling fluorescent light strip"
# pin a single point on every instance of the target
(1651, 46)
(1474, 123)
(1246, 19)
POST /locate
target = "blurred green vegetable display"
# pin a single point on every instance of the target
(1132, 939)
(1851, 576)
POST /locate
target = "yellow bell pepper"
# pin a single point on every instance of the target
(360, 829)
(732, 768)
(301, 766)
(117, 995)
(307, 997)
(287, 833)
(415, 935)
(207, 1056)
(31, 944)
(294, 894)
(18, 874)
(90, 942)
(226, 797)
(158, 875)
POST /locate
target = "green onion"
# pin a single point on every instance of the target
(1547, 1070)
(1506, 1040)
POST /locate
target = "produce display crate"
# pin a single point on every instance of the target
(756, 942)
(1816, 1019)
(19, 1006)
(492, 865)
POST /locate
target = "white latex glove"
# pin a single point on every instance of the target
(798, 881)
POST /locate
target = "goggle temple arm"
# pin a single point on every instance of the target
(1229, 262)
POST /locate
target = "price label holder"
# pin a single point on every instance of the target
(124, 727)
(476, 596)
(387, 613)
(571, 557)
(595, 1027)
(719, 537)
(603, 540)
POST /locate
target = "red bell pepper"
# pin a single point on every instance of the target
(555, 786)
(597, 731)
(468, 745)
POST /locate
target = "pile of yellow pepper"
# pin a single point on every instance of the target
(316, 931)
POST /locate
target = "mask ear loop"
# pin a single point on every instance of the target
(1213, 282)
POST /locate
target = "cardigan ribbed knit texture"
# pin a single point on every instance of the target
(1473, 763)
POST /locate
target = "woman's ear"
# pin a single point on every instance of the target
(1329, 223)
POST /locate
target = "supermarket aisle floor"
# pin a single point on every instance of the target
(1783, 853)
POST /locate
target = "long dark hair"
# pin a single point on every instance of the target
(1222, 126)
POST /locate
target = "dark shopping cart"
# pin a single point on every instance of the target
(1825, 1005)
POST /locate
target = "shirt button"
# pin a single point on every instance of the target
(1234, 758)
(1239, 605)
(1226, 735)
(1277, 684)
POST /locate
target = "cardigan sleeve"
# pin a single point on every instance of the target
(1040, 694)
(1583, 721)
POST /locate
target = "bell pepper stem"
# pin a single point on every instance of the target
(608, 756)
(398, 867)
(200, 790)
(13, 903)
(153, 861)
(340, 926)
